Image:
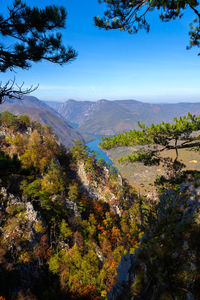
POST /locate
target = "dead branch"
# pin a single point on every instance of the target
(12, 90)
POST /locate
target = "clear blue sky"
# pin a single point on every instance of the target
(153, 67)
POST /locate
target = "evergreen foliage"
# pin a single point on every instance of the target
(9, 120)
(30, 35)
(152, 141)
(131, 16)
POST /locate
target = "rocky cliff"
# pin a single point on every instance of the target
(166, 264)
(65, 218)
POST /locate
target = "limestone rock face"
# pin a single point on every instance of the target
(21, 231)
(83, 175)
(71, 206)
(125, 275)
(99, 188)
(22, 224)
(124, 268)
(165, 264)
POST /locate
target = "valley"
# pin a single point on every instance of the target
(89, 121)
(41, 112)
(99, 188)
(77, 223)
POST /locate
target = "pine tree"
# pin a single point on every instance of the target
(154, 140)
(131, 16)
(30, 36)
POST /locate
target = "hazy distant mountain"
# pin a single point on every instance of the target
(41, 112)
(105, 117)
(53, 104)
(75, 112)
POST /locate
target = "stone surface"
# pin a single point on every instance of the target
(100, 189)
(178, 218)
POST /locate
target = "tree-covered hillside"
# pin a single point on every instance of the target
(66, 218)
(105, 117)
(41, 112)
(166, 264)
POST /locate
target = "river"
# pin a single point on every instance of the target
(93, 146)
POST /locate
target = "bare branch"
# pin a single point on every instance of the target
(12, 90)
(193, 8)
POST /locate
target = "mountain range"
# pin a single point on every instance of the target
(74, 120)
(106, 117)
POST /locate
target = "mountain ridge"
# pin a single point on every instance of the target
(41, 112)
(108, 117)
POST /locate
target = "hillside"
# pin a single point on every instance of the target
(72, 228)
(166, 265)
(41, 112)
(105, 117)
(66, 218)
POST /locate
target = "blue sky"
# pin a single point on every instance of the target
(153, 67)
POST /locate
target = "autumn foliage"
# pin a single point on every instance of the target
(76, 239)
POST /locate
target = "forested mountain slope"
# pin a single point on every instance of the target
(41, 112)
(166, 265)
(66, 218)
(105, 117)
